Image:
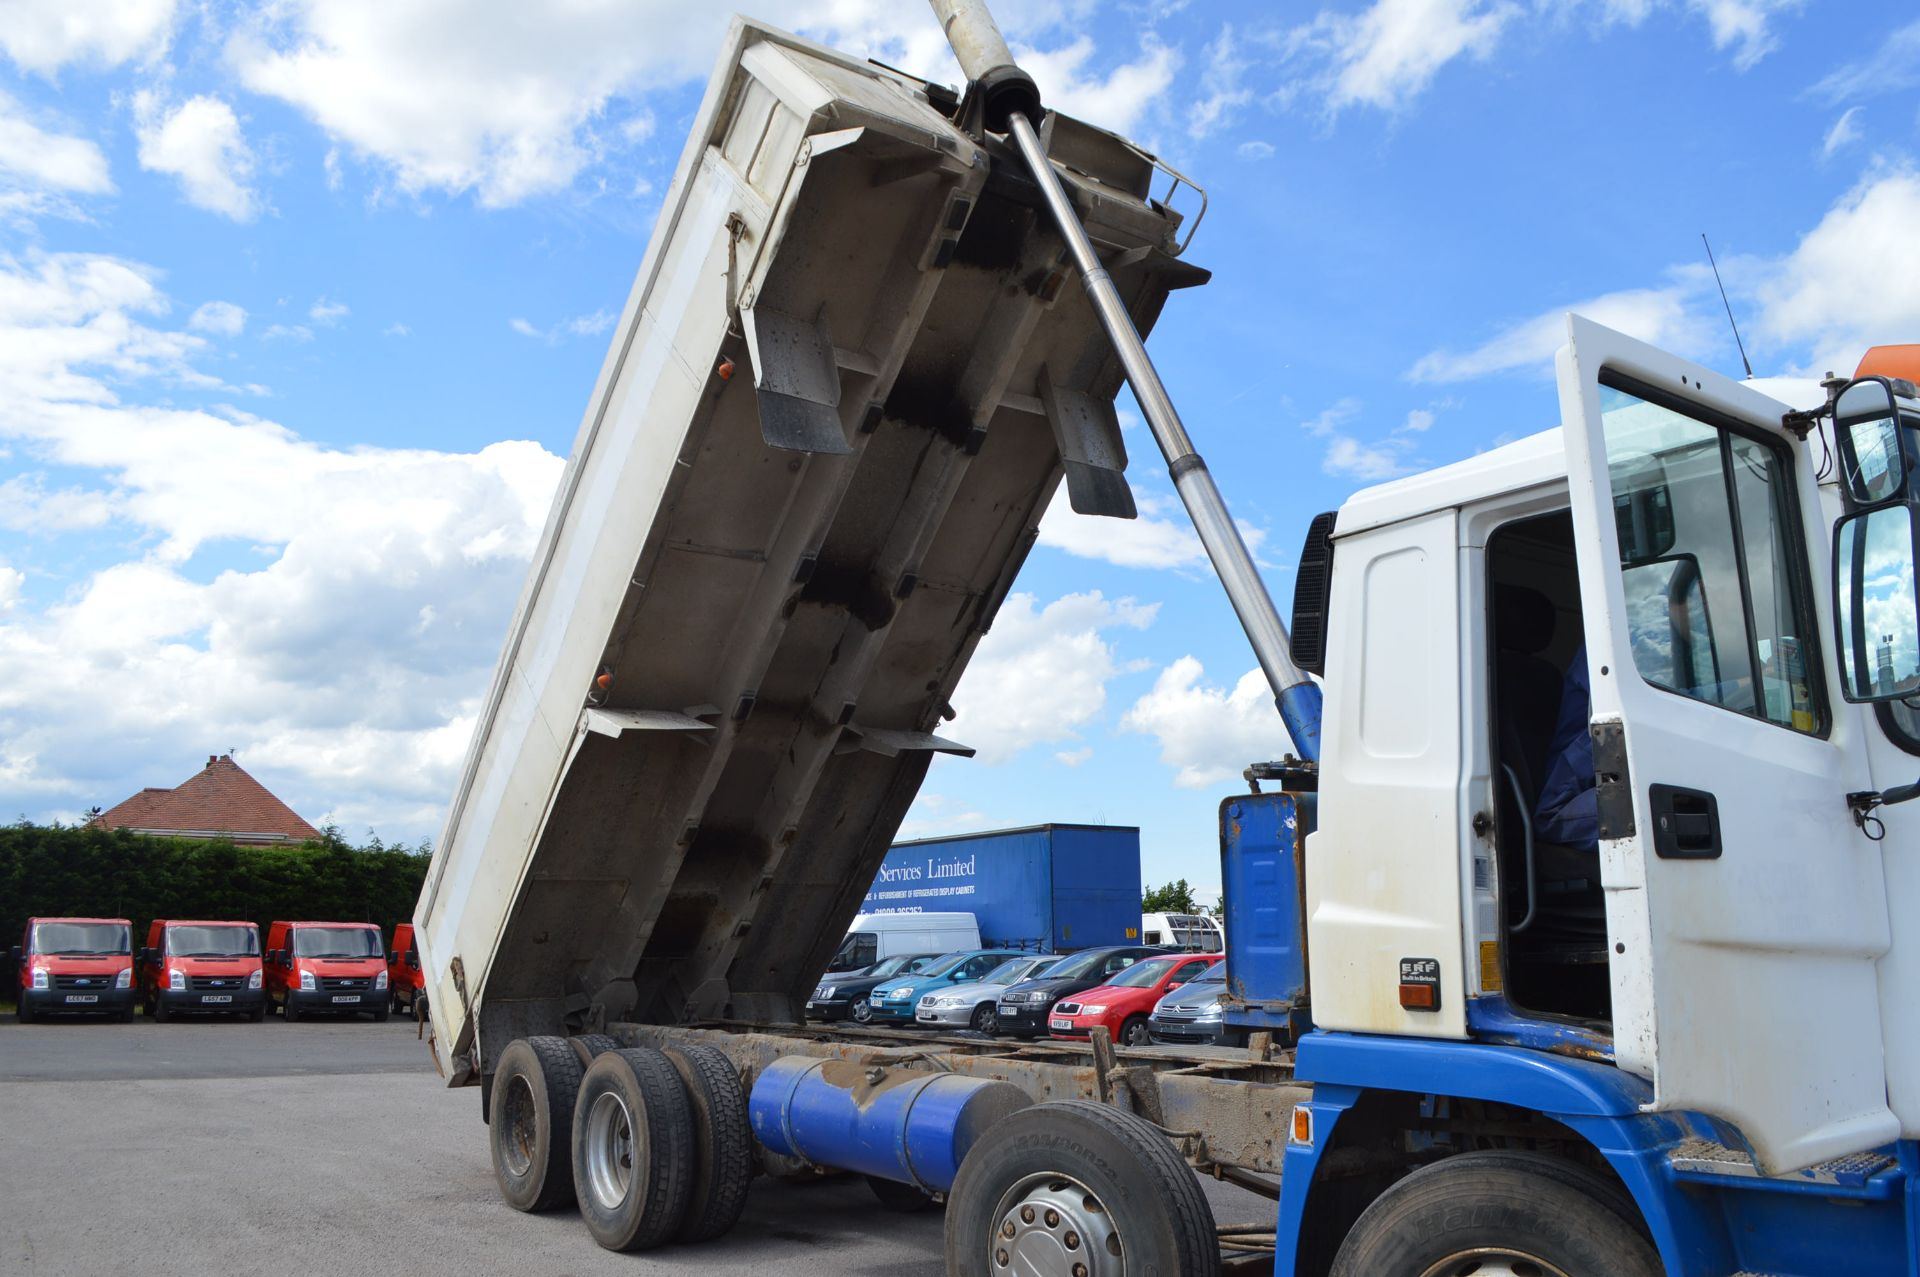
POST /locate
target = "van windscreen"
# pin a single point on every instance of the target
(336, 942)
(82, 938)
(212, 942)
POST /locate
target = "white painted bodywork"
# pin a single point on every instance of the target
(1779, 990)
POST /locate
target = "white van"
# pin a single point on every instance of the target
(874, 936)
(1194, 931)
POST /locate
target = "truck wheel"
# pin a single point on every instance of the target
(1498, 1212)
(161, 1012)
(1081, 1188)
(126, 1016)
(381, 1012)
(23, 1010)
(258, 1014)
(633, 1149)
(287, 1010)
(591, 1046)
(1134, 1032)
(531, 1133)
(903, 1199)
(722, 1138)
(985, 1019)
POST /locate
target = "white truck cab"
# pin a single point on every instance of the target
(1732, 934)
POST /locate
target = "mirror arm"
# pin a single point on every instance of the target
(1800, 422)
(1862, 804)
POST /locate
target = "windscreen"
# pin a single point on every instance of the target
(336, 942)
(940, 966)
(82, 938)
(1078, 965)
(898, 962)
(213, 942)
(1142, 975)
(1014, 972)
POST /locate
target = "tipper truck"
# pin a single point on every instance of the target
(1578, 935)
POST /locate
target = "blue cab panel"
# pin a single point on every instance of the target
(1262, 844)
(1048, 887)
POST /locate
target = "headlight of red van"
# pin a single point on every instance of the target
(380, 981)
(176, 979)
(253, 981)
(125, 979)
(39, 977)
(306, 982)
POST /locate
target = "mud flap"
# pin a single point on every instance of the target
(796, 381)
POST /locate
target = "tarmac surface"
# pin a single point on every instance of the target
(222, 1147)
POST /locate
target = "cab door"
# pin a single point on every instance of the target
(1745, 910)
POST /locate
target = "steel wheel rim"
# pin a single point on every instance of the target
(1493, 1261)
(611, 1144)
(1136, 1035)
(517, 1111)
(1052, 1225)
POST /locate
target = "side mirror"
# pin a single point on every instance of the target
(1876, 610)
(17, 954)
(1642, 509)
(1867, 427)
(413, 962)
(1174, 984)
(393, 957)
(277, 957)
(149, 956)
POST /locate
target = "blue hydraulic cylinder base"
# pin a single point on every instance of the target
(1300, 711)
(913, 1126)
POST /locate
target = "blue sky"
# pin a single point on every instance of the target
(300, 306)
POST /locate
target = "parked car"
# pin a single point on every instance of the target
(74, 964)
(1022, 1009)
(973, 1006)
(844, 995)
(874, 937)
(406, 982)
(1123, 1003)
(326, 966)
(202, 966)
(1190, 1015)
(893, 1002)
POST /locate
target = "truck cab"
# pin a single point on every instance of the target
(74, 965)
(326, 967)
(206, 967)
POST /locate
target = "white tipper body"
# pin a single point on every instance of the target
(1777, 987)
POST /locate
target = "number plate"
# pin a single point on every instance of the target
(878, 999)
(346, 997)
(1005, 1009)
(83, 997)
(1058, 1023)
(216, 997)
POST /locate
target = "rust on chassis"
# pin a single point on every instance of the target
(1239, 1098)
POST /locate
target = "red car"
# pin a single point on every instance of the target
(1124, 1004)
(75, 964)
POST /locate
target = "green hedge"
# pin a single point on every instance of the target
(52, 870)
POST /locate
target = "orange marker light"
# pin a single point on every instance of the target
(1302, 1124)
(1419, 997)
(604, 681)
(725, 370)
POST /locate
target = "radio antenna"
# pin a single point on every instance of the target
(1744, 361)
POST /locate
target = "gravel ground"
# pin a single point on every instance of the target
(331, 1147)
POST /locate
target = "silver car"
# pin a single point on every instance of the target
(971, 1006)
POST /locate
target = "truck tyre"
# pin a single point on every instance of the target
(591, 1046)
(985, 1018)
(381, 1012)
(1077, 1186)
(258, 1014)
(902, 1199)
(125, 1016)
(23, 1010)
(531, 1133)
(633, 1149)
(287, 1010)
(1477, 1211)
(161, 1012)
(1134, 1032)
(722, 1139)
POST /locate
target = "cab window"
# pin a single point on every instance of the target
(1712, 559)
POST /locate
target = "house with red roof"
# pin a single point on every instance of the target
(219, 801)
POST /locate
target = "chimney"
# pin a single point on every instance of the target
(212, 759)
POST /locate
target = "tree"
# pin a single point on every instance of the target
(1175, 897)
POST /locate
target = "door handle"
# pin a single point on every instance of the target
(1686, 823)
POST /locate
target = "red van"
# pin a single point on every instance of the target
(202, 966)
(75, 964)
(404, 976)
(326, 966)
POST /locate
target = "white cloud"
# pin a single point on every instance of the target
(1208, 734)
(1073, 757)
(288, 332)
(45, 35)
(1389, 54)
(1348, 456)
(1667, 317)
(36, 160)
(1160, 537)
(396, 329)
(1041, 674)
(933, 815)
(224, 318)
(201, 144)
(347, 663)
(1254, 150)
(591, 325)
(327, 312)
(1743, 25)
(1891, 66)
(27, 506)
(1844, 133)
(508, 101)
(1226, 77)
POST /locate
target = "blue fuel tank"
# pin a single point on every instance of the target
(910, 1125)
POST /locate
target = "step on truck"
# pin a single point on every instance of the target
(1578, 935)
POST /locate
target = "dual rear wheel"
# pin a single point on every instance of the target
(653, 1145)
